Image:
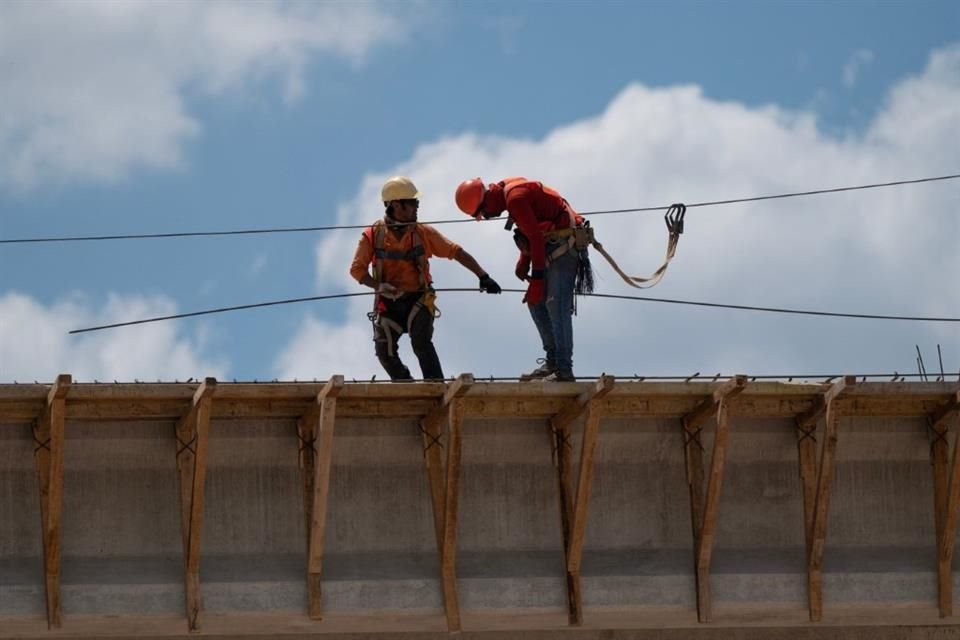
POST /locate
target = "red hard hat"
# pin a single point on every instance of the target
(470, 196)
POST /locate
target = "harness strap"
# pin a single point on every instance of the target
(389, 327)
(652, 279)
(562, 249)
(674, 219)
(414, 253)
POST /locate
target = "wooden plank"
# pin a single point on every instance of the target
(560, 436)
(192, 438)
(48, 455)
(561, 444)
(942, 413)
(807, 457)
(822, 503)
(431, 429)
(693, 457)
(703, 508)
(578, 528)
(306, 455)
(711, 507)
(949, 534)
(943, 485)
(448, 556)
(939, 452)
(325, 421)
(575, 409)
(290, 400)
(708, 408)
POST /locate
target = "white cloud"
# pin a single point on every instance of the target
(35, 345)
(858, 60)
(883, 251)
(322, 347)
(93, 90)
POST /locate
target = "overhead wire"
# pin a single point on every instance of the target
(716, 305)
(237, 232)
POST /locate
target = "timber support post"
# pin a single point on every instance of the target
(317, 428)
(946, 486)
(704, 508)
(444, 480)
(192, 438)
(48, 438)
(816, 524)
(573, 515)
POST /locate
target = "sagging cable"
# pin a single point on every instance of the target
(695, 303)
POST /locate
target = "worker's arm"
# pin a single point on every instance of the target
(439, 245)
(522, 214)
(360, 269)
(487, 283)
(469, 262)
(360, 265)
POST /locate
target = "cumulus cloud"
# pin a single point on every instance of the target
(35, 345)
(883, 251)
(857, 61)
(93, 90)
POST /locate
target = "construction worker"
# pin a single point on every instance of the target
(548, 260)
(398, 249)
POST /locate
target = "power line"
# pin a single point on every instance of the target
(238, 232)
(715, 305)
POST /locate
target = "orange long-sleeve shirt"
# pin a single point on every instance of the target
(402, 274)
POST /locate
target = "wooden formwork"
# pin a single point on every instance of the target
(442, 408)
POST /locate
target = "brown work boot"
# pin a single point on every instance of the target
(544, 370)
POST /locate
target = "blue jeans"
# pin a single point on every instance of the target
(553, 317)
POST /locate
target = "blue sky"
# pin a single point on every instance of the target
(161, 117)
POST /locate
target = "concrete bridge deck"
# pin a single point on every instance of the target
(601, 509)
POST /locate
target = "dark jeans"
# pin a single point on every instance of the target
(554, 316)
(393, 323)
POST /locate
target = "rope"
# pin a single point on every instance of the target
(237, 232)
(713, 305)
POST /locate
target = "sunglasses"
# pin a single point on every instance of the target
(413, 202)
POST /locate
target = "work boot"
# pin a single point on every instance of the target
(544, 370)
(561, 376)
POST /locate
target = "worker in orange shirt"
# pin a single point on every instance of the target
(398, 249)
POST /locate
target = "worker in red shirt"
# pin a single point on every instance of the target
(398, 249)
(549, 259)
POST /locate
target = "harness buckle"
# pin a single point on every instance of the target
(583, 236)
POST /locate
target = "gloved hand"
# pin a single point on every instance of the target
(488, 284)
(389, 291)
(523, 267)
(535, 292)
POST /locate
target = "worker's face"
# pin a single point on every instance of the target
(405, 210)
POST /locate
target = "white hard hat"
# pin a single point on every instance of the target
(399, 188)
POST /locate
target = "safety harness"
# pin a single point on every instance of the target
(579, 235)
(376, 234)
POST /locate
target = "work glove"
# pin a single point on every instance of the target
(535, 292)
(488, 284)
(388, 291)
(523, 267)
